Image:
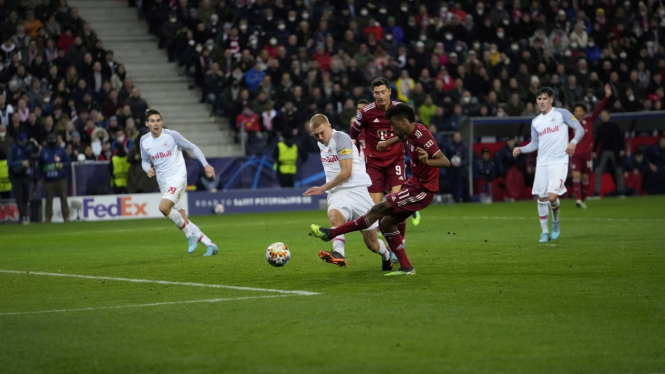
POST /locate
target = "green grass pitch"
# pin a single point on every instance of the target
(487, 297)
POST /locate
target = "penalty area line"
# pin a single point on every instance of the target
(145, 305)
(191, 284)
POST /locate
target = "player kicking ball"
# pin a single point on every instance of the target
(549, 136)
(416, 194)
(161, 156)
(346, 185)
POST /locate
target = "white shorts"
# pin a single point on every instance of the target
(550, 179)
(174, 193)
(352, 203)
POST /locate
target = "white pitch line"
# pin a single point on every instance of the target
(143, 305)
(295, 292)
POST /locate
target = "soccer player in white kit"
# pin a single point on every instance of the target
(346, 184)
(549, 136)
(161, 156)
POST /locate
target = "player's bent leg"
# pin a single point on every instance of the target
(394, 239)
(377, 246)
(360, 223)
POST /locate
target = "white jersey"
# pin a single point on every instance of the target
(164, 154)
(339, 148)
(549, 136)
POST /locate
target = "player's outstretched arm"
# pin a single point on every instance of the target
(439, 160)
(385, 144)
(196, 151)
(346, 167)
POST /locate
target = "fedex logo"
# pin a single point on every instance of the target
(548, 130)
(160, 155)
(122, 207)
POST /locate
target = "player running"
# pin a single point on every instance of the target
(346, 184)
(416, 194)
(549, 136)
(161, 157)
(581, 163)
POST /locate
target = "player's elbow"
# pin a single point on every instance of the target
(345, 174)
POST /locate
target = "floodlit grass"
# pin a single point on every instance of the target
(487, 297)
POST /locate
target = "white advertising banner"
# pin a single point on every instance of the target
(112, 207)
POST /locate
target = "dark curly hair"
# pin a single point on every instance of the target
(400, 111)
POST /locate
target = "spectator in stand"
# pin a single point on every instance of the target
(654, 179)
(106, 152)
(484, 172)
(609, 147)
(137, 104)
(458, 154)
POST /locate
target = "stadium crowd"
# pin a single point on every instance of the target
(268, 66)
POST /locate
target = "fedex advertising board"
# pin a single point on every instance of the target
(112, 207)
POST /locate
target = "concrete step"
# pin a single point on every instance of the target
(162, 79)
(166, 101)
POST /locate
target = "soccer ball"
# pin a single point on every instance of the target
(219, 209)
(278, 254)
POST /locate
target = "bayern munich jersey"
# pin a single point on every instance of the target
(549, 136)
(340, 147)
(377, 128)
(164, 154)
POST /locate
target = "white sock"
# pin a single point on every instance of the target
(197, 231)
(555, 210)
(338, 244)
(180, 223)
(383, 251)
(544, 214)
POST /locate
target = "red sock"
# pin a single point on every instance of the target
(395, 243)
(355, 225)
(577, 189)
(402, 230)
(585, 189)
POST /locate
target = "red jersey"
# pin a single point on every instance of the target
(586, 144)
(377, 128)
(421, 174)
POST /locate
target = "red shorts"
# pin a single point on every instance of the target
(410, 199)
(385, 177)
(582, 162)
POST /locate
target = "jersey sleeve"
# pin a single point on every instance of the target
(343, 145)
(357, 126)
(533, 146)
(428, 143)
(186, 144)
(145, 158)
(571, 121)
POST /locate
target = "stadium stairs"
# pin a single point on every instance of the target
(160, 82)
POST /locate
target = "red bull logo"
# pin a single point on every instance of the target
(9, 212)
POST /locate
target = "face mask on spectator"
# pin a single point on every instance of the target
(476, 45)
(500, 35)
(423, 37)
(567, 53)
(591, 44)
(3, 134)
(404, 9)
(273, 42)
(661, 12)
(459, 48)
(449, 36)
(389, 37)
(492, 50)
(210, 47)
(506, 22)
(444, 9)
(411, 23)
(191, 42)
(305, 16)
(269, 18)
(281, 27)
(383, 11)
(291, 19)
(623, 55)
(466, 100)
(173, 20)
(363, 12)
(242, 27)
(514, 47)
(120, 139)
(631, 98)
(253, 42)
(506, 61)
(573, 45)
(199, 49)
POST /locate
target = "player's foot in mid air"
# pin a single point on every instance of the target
(544, 238)
(193, 242)
(393, 256)
(319, 232)
(212, 250)
(401, 271)
(556, 230)
(333, 258)
(415, 218)
(580, 204)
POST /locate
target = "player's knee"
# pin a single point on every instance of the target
(166, 210)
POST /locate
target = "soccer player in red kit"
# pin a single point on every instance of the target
(416, 194)
(581, 163)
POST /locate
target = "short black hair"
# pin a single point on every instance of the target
(380, 81)
(150, 112)
(545, 90)
(581, 105)
(362, 101)
(399, 111)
